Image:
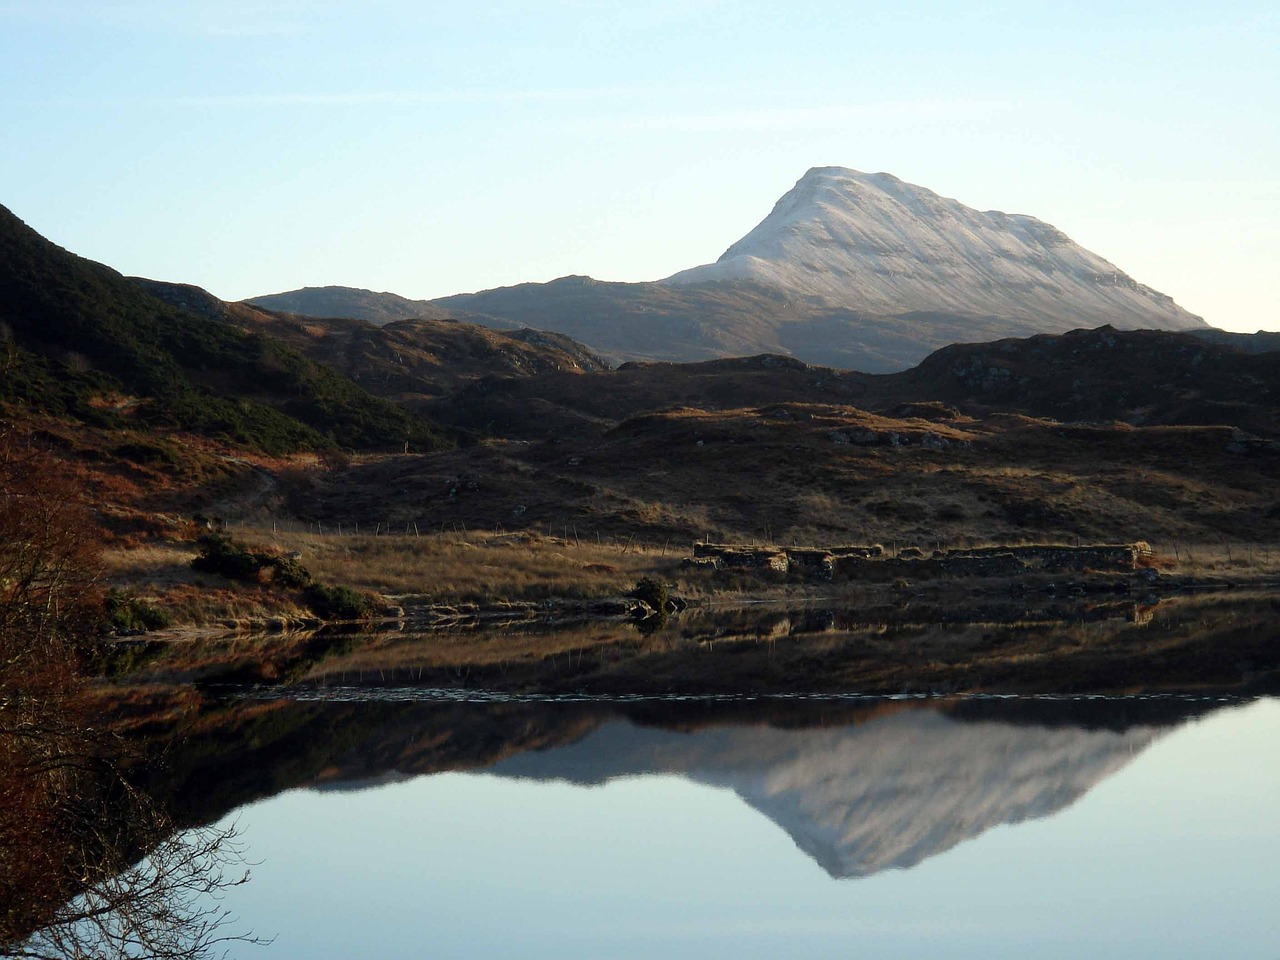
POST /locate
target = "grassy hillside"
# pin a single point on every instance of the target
(81, 340)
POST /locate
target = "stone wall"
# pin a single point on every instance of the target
(870, 562)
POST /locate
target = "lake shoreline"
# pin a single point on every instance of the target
(1038, 644)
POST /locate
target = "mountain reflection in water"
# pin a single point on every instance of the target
(879, 795)
(860, 785)
(632, 830)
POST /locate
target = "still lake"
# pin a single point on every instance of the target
(837, 827)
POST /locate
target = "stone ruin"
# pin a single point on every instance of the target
(872, 562)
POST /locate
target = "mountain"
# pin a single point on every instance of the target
(86, 343)
(883, 795)
(873, 243)
(850, 270)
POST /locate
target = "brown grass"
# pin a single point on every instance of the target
(1222, 559)
(471, 566)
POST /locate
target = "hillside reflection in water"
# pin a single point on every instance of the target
(1142, 826)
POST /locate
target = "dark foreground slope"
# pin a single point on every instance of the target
(84, 341)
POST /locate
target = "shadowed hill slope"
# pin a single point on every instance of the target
(1137, 376)
(85, 341)
(403, 360)
(726, 318)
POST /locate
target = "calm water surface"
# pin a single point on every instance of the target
(871, 829)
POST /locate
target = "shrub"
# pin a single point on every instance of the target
(652, 591)
(127, 614)
(221, 555)
(288, 571)
(152, 454)
(49, 558)
(338, 603)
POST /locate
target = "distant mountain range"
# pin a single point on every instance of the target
(851, 270)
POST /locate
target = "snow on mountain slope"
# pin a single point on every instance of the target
(873, 243)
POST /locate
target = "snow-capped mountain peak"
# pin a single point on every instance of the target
(874, 243)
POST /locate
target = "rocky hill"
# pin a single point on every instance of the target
(1139, 377)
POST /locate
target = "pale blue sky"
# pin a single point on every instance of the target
(431, 149)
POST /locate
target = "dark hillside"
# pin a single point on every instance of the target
(404, 360)
(1264, 341)
(84, 341)
(1136, 376)
(1140, 377)
(567, 405)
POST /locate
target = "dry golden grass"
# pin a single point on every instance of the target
(1222, 559)
(472, 566)
(152, 567)
(161, 573)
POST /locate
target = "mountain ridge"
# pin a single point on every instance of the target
(849, 270)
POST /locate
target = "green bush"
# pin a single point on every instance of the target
(221, 555)
(288, 572)
(148, 454)
(338, 603)
(652, 591)
(127, 614)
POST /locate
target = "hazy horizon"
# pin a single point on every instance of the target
(429, 150)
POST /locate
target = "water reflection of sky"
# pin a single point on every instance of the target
(1174, 855)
